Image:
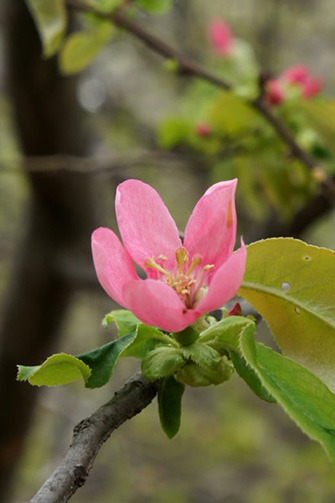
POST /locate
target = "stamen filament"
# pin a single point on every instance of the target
(151, 264)
(195, 261)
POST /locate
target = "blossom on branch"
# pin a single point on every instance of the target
(184, 280)
(221, 37)
(296, 78)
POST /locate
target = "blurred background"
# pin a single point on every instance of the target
(65, 144)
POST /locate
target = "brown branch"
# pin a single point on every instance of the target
(88, 437)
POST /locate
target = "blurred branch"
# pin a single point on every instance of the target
(88, 437)
(186, 66)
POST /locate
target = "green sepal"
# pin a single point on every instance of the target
(202, 355)
(102, 360)
(162, 362)
(170, 393)
(56, 370)
(146, 339)
(195, 375)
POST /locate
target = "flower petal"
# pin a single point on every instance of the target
(112, 262)
(225, 282)
(145, 224)
(157, 304)
(211, 229)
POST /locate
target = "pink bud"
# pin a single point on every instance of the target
(312, 87)
(296, 74)
(274, 92)
(235, 310)
(221, 37)
(203, 130)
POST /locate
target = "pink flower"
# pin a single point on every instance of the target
(296, 75)
(184, 280)
(221, 37)
(203, 129)
(274, 92)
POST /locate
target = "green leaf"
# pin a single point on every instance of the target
(125, 321)
(155, 6)
(161, 362)
(81, 48)
(231, 116)
(226, 335)
(291, 284)
(173, 131)
(170, 393)
(250, 377)
(56, 370)
(303, 396)
(146, 339)
(51, 19)
(105, 5)
(321, 114)
(102, 360)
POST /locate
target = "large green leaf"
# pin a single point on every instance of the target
(292, 285)
(56, 370)
(305, 398)
(50, 18)
(81, 48)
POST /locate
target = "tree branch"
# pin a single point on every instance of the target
(88, 437)
(189, 67)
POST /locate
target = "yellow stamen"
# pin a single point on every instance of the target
(181, 258)
(195, 261)
(208, 267)
(151, 264)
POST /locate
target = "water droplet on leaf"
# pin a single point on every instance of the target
(285, 286)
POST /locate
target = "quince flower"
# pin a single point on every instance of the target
(221, 37)
(184, 280)
(297, 76)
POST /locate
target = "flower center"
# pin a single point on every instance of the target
(188, 277)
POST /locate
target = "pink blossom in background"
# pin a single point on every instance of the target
(184, 280)
(312, 87)
(274, 92)
(220, 37)
(203, 129)
(296, 75)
